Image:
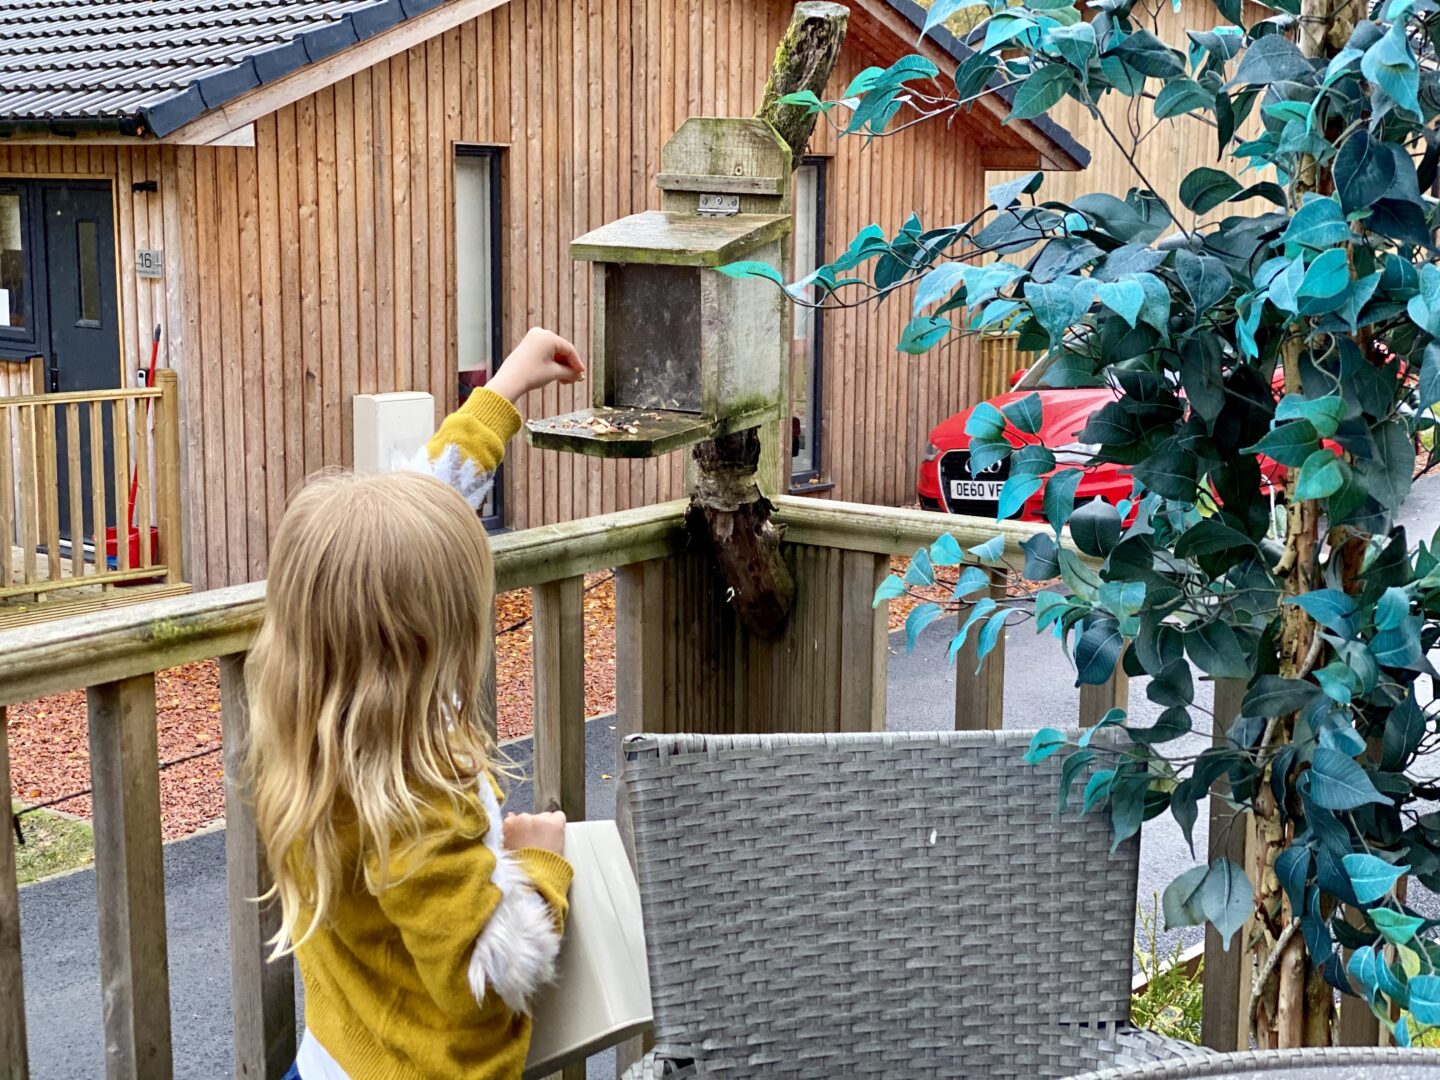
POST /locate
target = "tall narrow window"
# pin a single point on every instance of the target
(477, 283)
(88, 264)
(13, 258)
(806, 347)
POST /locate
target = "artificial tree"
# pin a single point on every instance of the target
(1303, 335)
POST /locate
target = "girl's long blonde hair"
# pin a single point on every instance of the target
(365, 682)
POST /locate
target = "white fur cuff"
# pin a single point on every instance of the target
(515, 954)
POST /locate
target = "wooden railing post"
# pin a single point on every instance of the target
(639, 685)
(14, 1062)
(130, 880)
(980, 699)
(1225, 1016)
(864, 661)
(559, 608)
(169, 516)
(262, 993)
(1113, 693)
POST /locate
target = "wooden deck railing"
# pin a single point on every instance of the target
(682, 663)
(88, 465)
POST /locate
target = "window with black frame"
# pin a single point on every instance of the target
(479, 334)
(806, 339)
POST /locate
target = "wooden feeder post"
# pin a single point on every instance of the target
(682, 355)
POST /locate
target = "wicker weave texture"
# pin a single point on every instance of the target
(1334, 1063)
(821, 906)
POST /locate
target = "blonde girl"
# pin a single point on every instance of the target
(422, 922)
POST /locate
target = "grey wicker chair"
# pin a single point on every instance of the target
(820, 907)
(1330, 1063)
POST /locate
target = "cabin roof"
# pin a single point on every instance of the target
(146, 67)
(150, 67)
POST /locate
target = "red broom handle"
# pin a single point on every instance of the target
(149, 382)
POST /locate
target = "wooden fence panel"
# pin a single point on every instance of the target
(130, 880)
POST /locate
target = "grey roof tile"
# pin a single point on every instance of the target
(157, 64)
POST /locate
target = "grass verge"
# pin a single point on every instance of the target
(53, 844)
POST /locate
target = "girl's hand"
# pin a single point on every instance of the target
(546, 831)
(540, 359)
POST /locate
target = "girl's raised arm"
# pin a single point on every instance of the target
(470, 444)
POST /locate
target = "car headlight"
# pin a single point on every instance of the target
(1076, 453)
(931, 451)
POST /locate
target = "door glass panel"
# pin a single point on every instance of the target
(804, 344)
(12, 262)
(89, 267)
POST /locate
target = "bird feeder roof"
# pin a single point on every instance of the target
(659, 237)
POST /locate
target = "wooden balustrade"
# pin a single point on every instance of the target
(47, 545)
(682, 663)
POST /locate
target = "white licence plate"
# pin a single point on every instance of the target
(976, 489)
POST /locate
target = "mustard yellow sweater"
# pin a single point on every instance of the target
(412, 983)
(430, 979)
(470, 444)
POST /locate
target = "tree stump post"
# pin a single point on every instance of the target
(729, 510)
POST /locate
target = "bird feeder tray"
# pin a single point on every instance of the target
(681, 353)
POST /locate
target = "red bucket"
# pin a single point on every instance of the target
(112, 553)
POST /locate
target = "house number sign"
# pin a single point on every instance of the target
(149, 263)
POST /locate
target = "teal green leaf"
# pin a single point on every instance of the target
(920, 572)
(1075, 43)
(888, 589)
(1425, 999)
(1390, 65)
(937, 284)
(1059, 498)
(1339, 783)
(921, 334)
(1365, 978)
(990, 636)
(990, 551)
(985, 422)
(946, 551)
(1227, 898)
(1322, 475)
(1040, 92)
(1181, 901)
(1328, 276)
(1182, 96)
(1205, 188)
(1045, 742)
(1097, 789)
(1289, 444)
(1014, 493)
(1025, 414)
(1069, 771)
(1395, 927)
(1371, 877)
(971, 579)
(983, 607)
(922, 616)
(1111, 719)
(1331, 608)
(803, 99)
(1393, 609)
(1324, 413)
(1319, 224)
(1125, 298)
(751, 269)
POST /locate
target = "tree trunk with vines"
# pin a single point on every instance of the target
(1295, 1006)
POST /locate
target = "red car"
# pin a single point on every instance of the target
(945, 482)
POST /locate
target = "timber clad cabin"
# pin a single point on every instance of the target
(314, 199)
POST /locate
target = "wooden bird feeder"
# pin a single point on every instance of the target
(680, 353)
